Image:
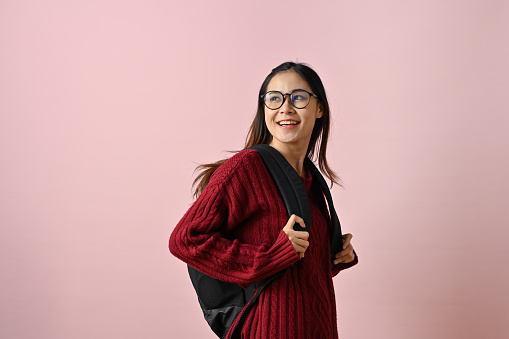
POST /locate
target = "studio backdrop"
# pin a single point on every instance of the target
(107, 107)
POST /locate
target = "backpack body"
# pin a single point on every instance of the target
(225, 305)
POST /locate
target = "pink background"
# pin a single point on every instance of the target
(107, 107)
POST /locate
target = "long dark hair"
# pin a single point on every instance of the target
(259, 134)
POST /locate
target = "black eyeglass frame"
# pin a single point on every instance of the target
(291, 98)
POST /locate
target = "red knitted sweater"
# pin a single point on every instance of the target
(233, 232)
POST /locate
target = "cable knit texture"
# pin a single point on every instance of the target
(233, 232)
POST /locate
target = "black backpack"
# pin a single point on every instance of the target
(226, 304)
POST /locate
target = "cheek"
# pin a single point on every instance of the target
(268, 125)
(310, 119)
(268, 118)
(310, 125)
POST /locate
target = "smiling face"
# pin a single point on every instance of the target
(290, 126)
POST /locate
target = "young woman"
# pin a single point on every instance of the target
(238, 229)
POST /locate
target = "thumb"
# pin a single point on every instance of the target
(346, 240)
(294, 218)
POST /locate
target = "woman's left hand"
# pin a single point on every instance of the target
(346, 255)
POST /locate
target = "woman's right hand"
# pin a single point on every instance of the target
(299, 239)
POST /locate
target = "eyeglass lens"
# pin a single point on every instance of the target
(299, 99)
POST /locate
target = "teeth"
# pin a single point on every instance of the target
(288, 122)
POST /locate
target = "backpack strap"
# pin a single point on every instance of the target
(296, 199)
(336, 236)
(288, 182)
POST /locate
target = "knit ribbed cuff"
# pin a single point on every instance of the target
(281, 255)
(286, 254)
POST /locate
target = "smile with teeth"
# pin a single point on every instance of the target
(287, 122)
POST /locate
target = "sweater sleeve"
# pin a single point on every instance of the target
(199, 240)
(343, 266)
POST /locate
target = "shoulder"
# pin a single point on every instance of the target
(241, 163)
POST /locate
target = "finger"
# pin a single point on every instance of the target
(348, 249)
(300, 245)
(345, 259)
(300, 234)
(346, 255)
(298, 248)
(296, 219)
(299, 242)
(290, 223)
(346, 239)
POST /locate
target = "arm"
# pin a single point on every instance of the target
(198, 238)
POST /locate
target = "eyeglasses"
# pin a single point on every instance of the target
(299, 98)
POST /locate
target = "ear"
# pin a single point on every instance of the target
(319, 113)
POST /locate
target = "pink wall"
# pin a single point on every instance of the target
(106, 107)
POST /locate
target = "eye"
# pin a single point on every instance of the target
(300, 95)
(273, 97)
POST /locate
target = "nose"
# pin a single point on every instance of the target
(287, 106)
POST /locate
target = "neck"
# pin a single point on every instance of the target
(294, 154)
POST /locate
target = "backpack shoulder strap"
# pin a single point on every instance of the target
(288, 182)
(294, 193)
(336, 234)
